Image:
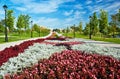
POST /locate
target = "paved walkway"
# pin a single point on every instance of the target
(5, 45)
(101, 43)
(108, 44)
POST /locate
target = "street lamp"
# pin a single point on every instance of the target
(6, 35)
(74, 30)
(31, 29)
(90, 28)
(66, 31)
(39, 31)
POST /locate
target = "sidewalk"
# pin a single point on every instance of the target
(101, 43)
(6, 45)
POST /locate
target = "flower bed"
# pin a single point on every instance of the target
(13, 51)
(93, 48)
(71, 64)
(21, 61)
(29, 57)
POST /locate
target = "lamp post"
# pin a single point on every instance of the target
(74, 30)
(66, 31)
(31, 29)
(6, 34)
(39, 31)
(90, 34)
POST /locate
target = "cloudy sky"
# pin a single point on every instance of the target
(59, 13)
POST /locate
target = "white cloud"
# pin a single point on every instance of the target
(78, 6)
(113, 7)
(57, 23)
(21, 8)
(88, 2)
(48, 22)
(21, 1)
(68, 13)
(40, 7)
(99, 1)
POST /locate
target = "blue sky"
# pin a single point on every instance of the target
(59, 13)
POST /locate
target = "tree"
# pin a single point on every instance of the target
(10, 20)
(36, 28)
(93, 25)
(113, 24)
(23, 22)
(87, 29)
(103, 22)
(80, 27)
(26, 21)
(20, 23)
(2, 22)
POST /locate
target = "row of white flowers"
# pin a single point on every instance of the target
(30, 56)
(92, 47)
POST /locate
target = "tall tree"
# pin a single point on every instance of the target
(94, 24)
(36, 28)
(103, 22)
(87, 29)
(10, 20)
(80, 27)
(113, 24)
(26, 21)
(2, 22)
(20, 23)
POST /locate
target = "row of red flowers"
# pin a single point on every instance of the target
(13, 51)
(71, 64)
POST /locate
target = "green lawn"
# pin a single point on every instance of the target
(97, 38)
(15, 36)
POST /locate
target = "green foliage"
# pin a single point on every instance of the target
(22, 22)
(26, 21)
(10, 20)
(94, 24)
(36, 28)
(2, 26)
(87, 29)
(80, 27)
(103, 22)
(57, 30)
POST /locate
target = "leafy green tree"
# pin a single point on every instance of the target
(95, 24)
(10, 20)
(2, 26)
(26, 21)
(36, 28)
(113, 24)
(80, 27)
(103, 22)
(20, 23)
(87, 29)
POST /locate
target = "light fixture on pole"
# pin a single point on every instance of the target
(6, 34)
(31, 29)
(74, 30)
(90, 34)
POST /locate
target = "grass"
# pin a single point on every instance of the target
(97, 38)
(15, 36)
